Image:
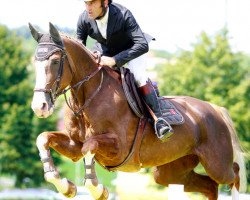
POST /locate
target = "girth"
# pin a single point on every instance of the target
(132, 162)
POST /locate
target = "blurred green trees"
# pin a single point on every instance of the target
(18, 126)
(212, 72)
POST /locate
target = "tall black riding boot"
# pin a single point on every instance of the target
(163, 129)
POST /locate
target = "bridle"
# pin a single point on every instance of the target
(54, 92)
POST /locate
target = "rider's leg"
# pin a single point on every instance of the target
(162, 127)
(138, 67)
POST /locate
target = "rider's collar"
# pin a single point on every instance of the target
(103, 19)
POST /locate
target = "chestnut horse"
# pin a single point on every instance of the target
(100, 126)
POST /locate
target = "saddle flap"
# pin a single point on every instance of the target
(170, 112)
(131, 92)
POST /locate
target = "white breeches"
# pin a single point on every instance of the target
(138, 67)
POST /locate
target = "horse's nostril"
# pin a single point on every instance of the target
(44, 106)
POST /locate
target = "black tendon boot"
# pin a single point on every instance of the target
(163, 129)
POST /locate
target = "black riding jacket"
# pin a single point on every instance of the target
(125, 40)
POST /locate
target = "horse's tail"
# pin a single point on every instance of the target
(238, 151)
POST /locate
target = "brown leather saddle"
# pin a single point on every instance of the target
(170, 113)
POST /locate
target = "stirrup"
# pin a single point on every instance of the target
(169, 130)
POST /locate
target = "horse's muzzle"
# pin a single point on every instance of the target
(42, 105)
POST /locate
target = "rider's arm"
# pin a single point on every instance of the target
(82, 28)
(140, 45)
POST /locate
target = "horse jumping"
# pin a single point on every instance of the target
(100, 126)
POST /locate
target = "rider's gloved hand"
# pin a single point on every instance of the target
(107, 61)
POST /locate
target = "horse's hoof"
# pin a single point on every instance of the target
(72, 190)
(105, 194)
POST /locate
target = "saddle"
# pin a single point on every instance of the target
(169, 111)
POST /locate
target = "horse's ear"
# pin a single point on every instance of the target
(55, 34)
(36, 35)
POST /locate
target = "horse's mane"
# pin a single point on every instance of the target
(113, 73)
(78, 43)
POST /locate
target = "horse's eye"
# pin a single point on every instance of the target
(55, 62)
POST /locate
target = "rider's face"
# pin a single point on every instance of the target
(93, 8)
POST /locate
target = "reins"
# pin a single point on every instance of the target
(54, 94)
(78, 85)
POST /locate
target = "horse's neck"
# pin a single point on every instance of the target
(80, 59)
(82, 64)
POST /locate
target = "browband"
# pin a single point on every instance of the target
(45, 49)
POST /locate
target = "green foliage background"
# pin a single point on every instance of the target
(211, 71)
(18, 125)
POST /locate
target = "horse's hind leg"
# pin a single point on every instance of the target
(222, 170)
(181, 172)
(65, 146)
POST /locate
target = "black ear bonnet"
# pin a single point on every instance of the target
(46, 47)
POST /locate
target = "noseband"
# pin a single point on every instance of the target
(54, 91)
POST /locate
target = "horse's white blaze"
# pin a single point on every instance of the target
(40, 74)
(40, 104)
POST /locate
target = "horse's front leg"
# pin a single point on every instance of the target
(65, 146)
(97, 191)
(105, 146)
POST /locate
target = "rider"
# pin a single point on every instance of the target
(121, 41)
